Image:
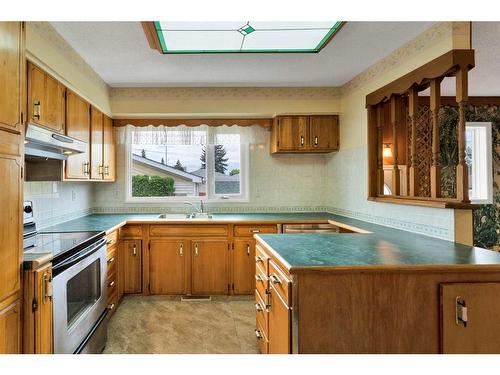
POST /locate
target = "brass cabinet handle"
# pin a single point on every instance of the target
(37, 109)
(111, 260)
(258, 307)
(275, 279)
(47, 287)
(111, 307)
(255, 231)
(181, 250)
(302, 140)
(258, 334)
(248, 249)
(258, 278)
(109, 242)
(106, 170)
(135, 250)
(316, 140)
(101, 170)
(196, 249)
(460, 312)
(258, 258)
(111, 284)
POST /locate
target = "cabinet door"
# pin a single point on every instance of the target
(96, 144)
(45, 99)
(293, 133)
(10, 218)
(324, 132)
(132, 265)
(167, 267)
(469, 316)
(108, 149)
(10, 328)
(78, 126)
(43, 313)
(244, 266)
(209, 266)
(12, 75)
(279, 325)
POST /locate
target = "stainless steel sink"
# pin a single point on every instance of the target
(193, 216)
(174, 216)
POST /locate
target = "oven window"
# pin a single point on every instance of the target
(83, 290)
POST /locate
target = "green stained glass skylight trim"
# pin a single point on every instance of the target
(244, 37)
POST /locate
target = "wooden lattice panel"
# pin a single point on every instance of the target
(424, 150)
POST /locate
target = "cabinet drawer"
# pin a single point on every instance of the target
(188, 230)
(261, 281)
(261, 258)
(112, 287)
(262, 340)
(262, 315)
(112, 239)
(280, 282)
(250, 230)
(131, 231)
(112, 263)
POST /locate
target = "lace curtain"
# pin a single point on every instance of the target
(192, 135)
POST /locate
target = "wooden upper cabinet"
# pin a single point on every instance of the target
(96, 144)
(324, 133)
(108, 149)
(291, 133)
(469, 318)
(12, 75)
(46, 99)
(209, 271)
(131, 256)
(304, 134)
(78, 126)
(167, 266)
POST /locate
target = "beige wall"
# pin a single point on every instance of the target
(347, 170)
(213, 101)
(45, 47)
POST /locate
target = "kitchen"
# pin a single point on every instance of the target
(168, 210)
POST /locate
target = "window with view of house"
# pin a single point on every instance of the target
(478, 144)
(192, 164)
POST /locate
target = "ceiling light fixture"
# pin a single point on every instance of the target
(240, 37)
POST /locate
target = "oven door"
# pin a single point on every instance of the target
(79, 297)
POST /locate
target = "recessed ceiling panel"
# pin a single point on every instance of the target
(244, 37)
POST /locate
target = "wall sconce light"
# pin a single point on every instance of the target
(387, 151)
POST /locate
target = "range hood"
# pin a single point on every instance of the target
(47, 144)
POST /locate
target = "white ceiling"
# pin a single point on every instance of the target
(120, 54)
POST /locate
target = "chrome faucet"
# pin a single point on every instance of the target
(200, 210)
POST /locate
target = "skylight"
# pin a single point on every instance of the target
(244, 37)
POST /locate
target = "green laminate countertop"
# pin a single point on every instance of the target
(384, 248)
(106, 222)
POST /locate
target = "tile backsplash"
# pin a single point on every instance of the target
(55, 202)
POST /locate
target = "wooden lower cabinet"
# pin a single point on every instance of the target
(167, 266)
(243, 266)
(469, 318)
(209, 266)
(131, 256)
(279, 324)
(10, 327)
(37, 335)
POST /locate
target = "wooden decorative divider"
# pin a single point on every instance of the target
(397, 105)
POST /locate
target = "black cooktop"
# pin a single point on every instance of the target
(59, 243)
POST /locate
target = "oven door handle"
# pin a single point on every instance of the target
(79, 256)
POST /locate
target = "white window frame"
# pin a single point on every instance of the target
(483, 170)
(211, 196)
